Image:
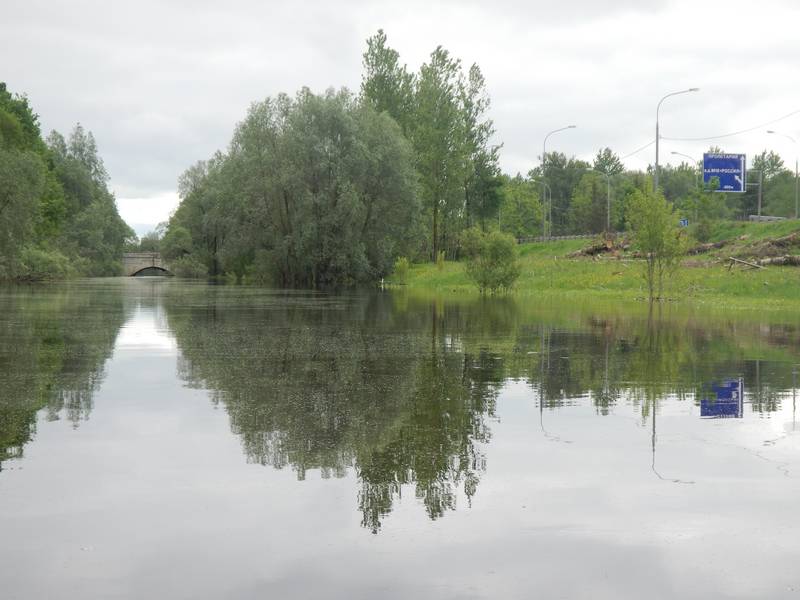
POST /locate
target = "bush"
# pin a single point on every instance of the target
(471, 242)
(400, 271)
(189, 266)
(37, 264)
(494, 266)
(703, 230)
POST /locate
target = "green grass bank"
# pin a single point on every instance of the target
(548, 270)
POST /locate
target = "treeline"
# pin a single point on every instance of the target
(57, 216)
(578, 193)
(331, 189)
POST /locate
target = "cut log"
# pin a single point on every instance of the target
(703, 248)
(781, 261)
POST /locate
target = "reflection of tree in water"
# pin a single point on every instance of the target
(400, 389)
(647, 359)
(354, 383)
(54, 342)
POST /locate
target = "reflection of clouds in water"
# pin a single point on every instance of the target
(146, 330)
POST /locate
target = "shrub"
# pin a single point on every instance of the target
(494, 266)
(471, 242)
(189, 266)
(400, 271)
(37, 264)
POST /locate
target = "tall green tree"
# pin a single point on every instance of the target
(520, 210)
(657, 237)
(482, 195)
(438, 137)
(562, 175)
(588, 205)
(608, 162)
(386, 85)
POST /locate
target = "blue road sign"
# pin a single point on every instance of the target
(684, 222)
(729, 168)
(728, 401)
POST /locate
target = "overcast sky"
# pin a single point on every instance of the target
(162, 83)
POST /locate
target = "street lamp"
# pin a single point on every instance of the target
(794, 141)
(608, 196)
(546, 191)
(658, 108)
(760, 185)
(544, 158)
(697, 177)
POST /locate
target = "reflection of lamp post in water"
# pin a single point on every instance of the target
(550, 437)
(794, 396)
(653, 442)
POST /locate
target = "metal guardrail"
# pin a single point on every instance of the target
(765, 218)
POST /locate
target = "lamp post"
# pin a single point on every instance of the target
(544, 158)
(658, 135)
(697, 177)
(608, 197)
(760, 185)
(794, 141)
(546, 191)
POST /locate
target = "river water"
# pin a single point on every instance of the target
(163, 439)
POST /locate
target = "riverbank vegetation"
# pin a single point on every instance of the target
(57, 215)
(578, 268)
(332, 189)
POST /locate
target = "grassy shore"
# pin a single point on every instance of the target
(548, 271)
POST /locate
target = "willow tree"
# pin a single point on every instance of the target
(314, 190)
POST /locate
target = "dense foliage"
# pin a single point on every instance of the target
(313, 190)
(57, 216)
(331, 189)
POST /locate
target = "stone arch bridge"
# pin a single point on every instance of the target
(144, 263)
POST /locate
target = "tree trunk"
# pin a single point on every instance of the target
(435, 230)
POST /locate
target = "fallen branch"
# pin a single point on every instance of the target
(743, 262)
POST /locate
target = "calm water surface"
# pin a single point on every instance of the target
(161, 439)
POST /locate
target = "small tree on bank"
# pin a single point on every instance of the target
(491, 259)
(657, 236)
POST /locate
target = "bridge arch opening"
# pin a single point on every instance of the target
(151, 272)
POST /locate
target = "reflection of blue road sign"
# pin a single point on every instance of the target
(729, 168)
(728, 401)
(684, 222)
